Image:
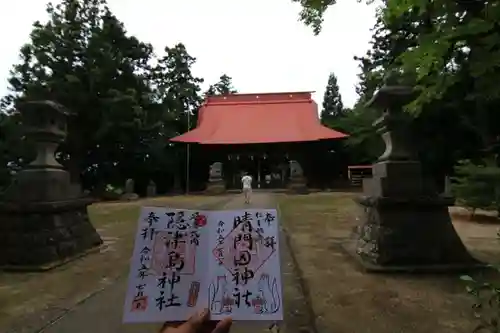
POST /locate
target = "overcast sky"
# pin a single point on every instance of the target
(259, 43)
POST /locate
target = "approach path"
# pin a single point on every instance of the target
(102, 313)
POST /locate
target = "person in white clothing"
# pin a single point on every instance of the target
(246, 181)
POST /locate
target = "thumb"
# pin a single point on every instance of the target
(223, 326)
(195, 321)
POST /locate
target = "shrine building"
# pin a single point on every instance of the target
(267, 135)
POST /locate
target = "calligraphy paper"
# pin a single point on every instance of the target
(186, 260)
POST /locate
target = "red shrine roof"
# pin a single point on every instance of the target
(258, 118)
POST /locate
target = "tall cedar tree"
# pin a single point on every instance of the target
(178, 92)
(332, 101)
(223, 87)
(178, 89)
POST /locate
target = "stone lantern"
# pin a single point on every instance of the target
(44, 179)
(392, 124)
(44, 220)
(405, 224)
(45, 125)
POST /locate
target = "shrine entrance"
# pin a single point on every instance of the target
(266, 171)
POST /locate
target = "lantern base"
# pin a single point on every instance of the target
(44, 235)
(405, 223)
(350, 248)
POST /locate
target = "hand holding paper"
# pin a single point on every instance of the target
(199, 323)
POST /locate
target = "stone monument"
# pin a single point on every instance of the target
(297, 183)
(151, 189)
(44, 220)
(405, 225)
(129, 194)
(216, 184)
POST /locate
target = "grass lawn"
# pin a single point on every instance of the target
(347, 300)
(25, 294)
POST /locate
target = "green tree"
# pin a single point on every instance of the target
(82, 58)
(178, 90)
(313, 11)
(453, 41)
(332, 101)
(388, 42)
(364, 145)
(223, 87)
(179, 93)
(452, 115)
(477, 185)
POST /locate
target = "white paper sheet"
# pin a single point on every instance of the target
(187, 260)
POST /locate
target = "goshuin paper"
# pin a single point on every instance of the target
(187, 260)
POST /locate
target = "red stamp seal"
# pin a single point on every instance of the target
(200, 221)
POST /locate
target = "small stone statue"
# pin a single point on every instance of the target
(216, 184)
(151, 189)
(295, 169)
(129, 186)
(298, 183)
(215, 171)
(129, 194)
